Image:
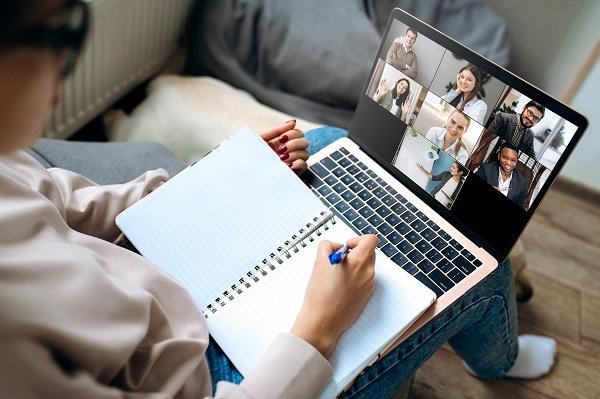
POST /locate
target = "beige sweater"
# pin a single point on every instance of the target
(81, 317)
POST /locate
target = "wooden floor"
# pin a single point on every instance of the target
(563, 253)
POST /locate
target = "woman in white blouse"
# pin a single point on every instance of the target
(449, 137)
(463, 95)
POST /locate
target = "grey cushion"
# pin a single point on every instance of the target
(106, 163)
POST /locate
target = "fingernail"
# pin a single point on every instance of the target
(291, 120)
(290, 164)
(282, 149)
(285, 156)
(284, 138)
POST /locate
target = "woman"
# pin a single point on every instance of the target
(447, 189)
(449, 137)
(463, 95)
(82, 317)
(395, 100)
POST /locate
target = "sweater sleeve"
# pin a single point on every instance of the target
(91, 209)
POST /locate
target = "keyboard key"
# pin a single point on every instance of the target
(439, 243)
(353, 170)
(347, 180)
(353, 158)
(415, 256)
(444, 235)
(339, 187)
(366, 211)
(381, 182)
(365, 195)
(336, 155)
(360, 223)
(383, 211)
(324, 191)
(449, 252)
(348, 196)
(465, 252)
(342, 206)
(413, 237)
(401, 199)
(428, 234)
(374, 203)
(371, 185)
(445, 265)
(405, 247)
(351, 214)
(418, 225)
(391, 190)
(311, 179)
(430, 284)
(362, 166)
(379, 192)
(409, 267)
(385, 229)
(456, 275)
(389, 250)
(434, 256)
(392, 219)
(423, 246)
(344, 151)
(407, 217)
(412, 207)
(344, 162)
(328, 163)
(369, 230)
(356, 186)
(332, 198)
(433, 226)
(375, 220)
(463, 265)
(456, 245)
(319, 170)
(477, 263)
(403, 228)
(339, 172)
(362, 177)
(372, 174)
(389, 200)
(382, 241)
(331, 180)
(422, 216)
(441, 280)
(356, 203)
(394, 237)
(425, 266)
(400, 259)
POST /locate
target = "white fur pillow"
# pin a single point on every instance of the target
(191, 115)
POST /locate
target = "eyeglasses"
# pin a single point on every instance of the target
(69, 36)
(530, 114)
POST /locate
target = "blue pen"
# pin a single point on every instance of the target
(339, 255)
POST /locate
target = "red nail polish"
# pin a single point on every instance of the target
(285, 156)
(282, 149)
(284, 139)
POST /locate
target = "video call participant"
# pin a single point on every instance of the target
(401, 55)
(463, 95)
(449, 137)
(501, 175)
(447, 189)
(516, 129)
(395, 100)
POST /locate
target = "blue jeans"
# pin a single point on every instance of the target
(481, 327)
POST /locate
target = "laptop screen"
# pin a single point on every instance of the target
(477, 143)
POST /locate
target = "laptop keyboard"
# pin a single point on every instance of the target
(370, 206)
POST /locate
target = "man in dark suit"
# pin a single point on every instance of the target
(501, 175)
(516, 129)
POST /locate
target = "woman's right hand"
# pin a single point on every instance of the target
(336, 294)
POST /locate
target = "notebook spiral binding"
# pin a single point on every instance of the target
(275, 259)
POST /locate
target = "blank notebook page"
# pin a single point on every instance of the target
(212, 222)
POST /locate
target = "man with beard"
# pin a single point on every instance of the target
(516, 129)
(501, 175)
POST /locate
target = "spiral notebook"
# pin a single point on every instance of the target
(239, 230)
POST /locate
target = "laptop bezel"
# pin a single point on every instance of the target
(499, 252)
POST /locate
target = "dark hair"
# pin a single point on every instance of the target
(508, 145)
(402, 97)
(13, 16)
(413, 31)
(473, 93)
(537, 105)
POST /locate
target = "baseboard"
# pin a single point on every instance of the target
(578, 190)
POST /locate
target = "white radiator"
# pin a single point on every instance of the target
(129, 41)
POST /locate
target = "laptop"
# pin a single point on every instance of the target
(448, 157)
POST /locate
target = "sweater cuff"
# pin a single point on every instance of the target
(291, 368)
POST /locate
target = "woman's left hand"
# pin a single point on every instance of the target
(289, 144)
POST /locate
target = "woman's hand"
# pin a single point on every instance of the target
(289, 144)
(404, 107)
(336, 295)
